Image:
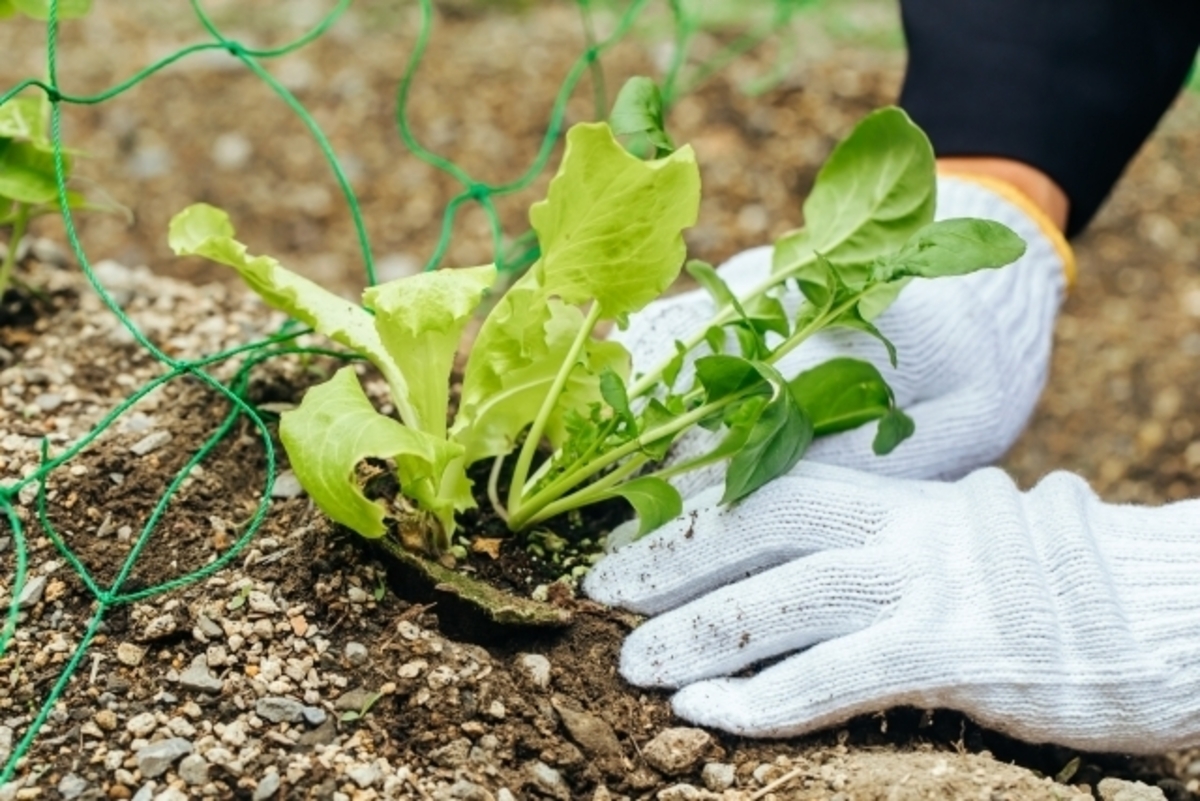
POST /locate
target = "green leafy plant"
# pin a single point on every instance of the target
(545, 398)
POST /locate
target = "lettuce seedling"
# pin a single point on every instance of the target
(542, 394)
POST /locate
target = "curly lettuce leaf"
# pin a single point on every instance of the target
(611, 226)
(336, 427)
(420, 320)
(204, 230)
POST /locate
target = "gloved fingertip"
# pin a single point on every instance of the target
(716, 703)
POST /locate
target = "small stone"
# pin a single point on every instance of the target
(171, 794)
(313, 715)
(193, 770)
(463, 790)
(141, 725)
(356, 653)
(279, 709)
(357, 595)
(718, 776)
(453, 754)
(146, 793)
(1111, 789)
(286, 486)
(151, 442)
(235, 734)
(198, 679)
(262, 603)
(505, 794)
(130, 654)
(209, 628)
(268, 786)
(364, 775)
(548, 781)
(677, 751)
(536, 669)
(155, 759)
(592, 734)
(353, 700)
(32, 592)
(495, 711)
(683, 792)
(48, 401)
(71, 786)
(322, 735)
(159, 627)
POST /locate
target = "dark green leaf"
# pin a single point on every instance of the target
(766, 313)
(877, 298)
(612, 389)
(818, 282)
(638, 111)
(854, 319)
(715, 338)
(841, 394)
(671, 371)
(722, 376)
(952, 247)
(776, 442)
(894, 428)
(655, 501)
(740, 418)
(655, 416)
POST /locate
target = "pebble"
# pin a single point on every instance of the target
(193, 770)
(313, 715)
(677, 751)
(286, 486)
(1111, 789)
(141, 725)
(548, 780)
(150, 443)
(171, 794)
(155, 759)
(72, 786)
(130, 654)
(684, 792)
(159, 627)
(48, 401)
(352, 700)
(146, 793)
(718, 776)
(463, 790)
(106, 719)
(262, 603)
(268, 786)
(198, 678)
(535, 668)
(356, 653)
(364, 775)
(592, 734)
(32, 592)
(278, 709)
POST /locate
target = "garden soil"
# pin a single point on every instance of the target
(309, 667)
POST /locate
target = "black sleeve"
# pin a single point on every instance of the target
(1072, 87)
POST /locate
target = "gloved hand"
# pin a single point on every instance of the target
(1047, 614)
(973, 350)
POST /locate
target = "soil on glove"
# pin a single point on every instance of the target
(306, 665)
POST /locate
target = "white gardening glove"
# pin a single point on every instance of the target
(973, 350)
(1048, 615)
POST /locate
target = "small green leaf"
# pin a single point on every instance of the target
(714, 337)
(336, 427)
(40, 9)
(818, 282)
(877, 298)
(655, 501)
(655, 416)
(875, 190)
(612, 389)
(740, 418)
(722, 376)
(854, 319)
(713, 284)
(27, 173)
(420, 320)
(638, 112)
(766, 313)
(894, 428)
(776, 442)
(671, 371)
(22, 118)
(841, 394)
(952, 247)
(611, 226)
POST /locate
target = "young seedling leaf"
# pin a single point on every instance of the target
(875, 191)
(334, 429)
(776, 442)
(655, 416)
(713, 284)
(671, 371)
(714, 337)
(722, 376)
(766, 313)
(27, 173)
(655, 501)
(612, 389)
(894, 428)
(638, 113)
(21, 118)
(611, 226)
(420, 320)
(203, 230)
(841, 394)
(740, 418)
(952, 247)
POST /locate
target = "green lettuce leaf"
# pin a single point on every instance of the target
(203, 230)
(27, 172)
(611, 226)
(22, 118)
(420, 320)
(336, 427)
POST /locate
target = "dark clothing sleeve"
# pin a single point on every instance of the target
(1072, 87)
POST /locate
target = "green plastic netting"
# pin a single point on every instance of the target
(511, 254)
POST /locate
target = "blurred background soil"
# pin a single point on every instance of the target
(1122, 407)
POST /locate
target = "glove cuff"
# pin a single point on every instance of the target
(1017, 198)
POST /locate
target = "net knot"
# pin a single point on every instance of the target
(236, 49)
(478, 191)
(52, 94)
